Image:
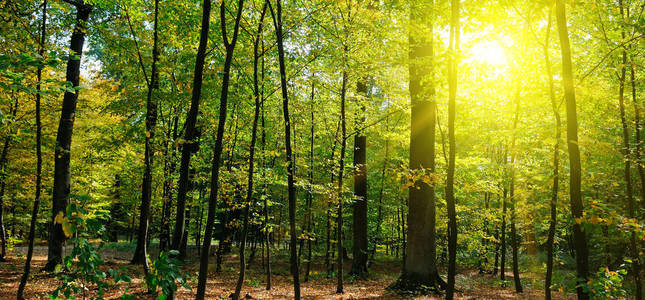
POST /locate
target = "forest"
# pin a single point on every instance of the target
(322, 149)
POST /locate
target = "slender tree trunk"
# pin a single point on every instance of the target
(359, 261)
(329, 250)
(249, 188)
(311, 182)
(277, 22)
(379, 208)
(3, 181)
(267, 235)
(502, 264)
(217, 152)
(450, 179)
(575, 195)
(631, 206)
(339, 194)
(141, 250)
(514, 242)
(61, 187)
(39, 161)
(190, 131)
(556, 165)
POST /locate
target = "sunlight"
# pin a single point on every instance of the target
(489, 53)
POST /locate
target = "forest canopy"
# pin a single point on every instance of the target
(289, 148)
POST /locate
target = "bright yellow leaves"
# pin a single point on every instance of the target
(65, 224)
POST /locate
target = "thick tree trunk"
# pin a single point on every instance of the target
(575, 172)
(39, 162)
(450, 178)
(61, 187)
(217, 151)
(141, 250)
(556, 165)
(359, 261)
(277, 22)
(420, 272)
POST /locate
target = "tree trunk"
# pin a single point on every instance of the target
(190, 131)
(556, 165)
(61, 187)
(502, 263)
(13, 109)
(249, 188)
(450, 179)
(293, 261)
(359, 262)
(265, 196)
(39, 162)
(575, 195)
(141, 250)
(420, 272)
(514, 242)
(310, 195)
(217, 151)
(626, 153)
(339, 194)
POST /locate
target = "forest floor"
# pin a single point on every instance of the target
(383, 272)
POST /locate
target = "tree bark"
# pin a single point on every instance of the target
(514, 238)
(190, 130)
(556, 165)
(141, 250)
(420, 272)
(310, 194)
(339, 193)
(450, 178)
(217, 152)
(39, 162)
(249, 187)
(277, 22)
(13, 109)
(61, 187)
(575, 195)
(359, 261)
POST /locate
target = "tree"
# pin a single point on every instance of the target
(62, 172)
(359, 261)
(140, 253)
(579, 235)
(249, 188)
(553, 204)
(450, 179)
(293, 260)
(217, 151)
(420, 270)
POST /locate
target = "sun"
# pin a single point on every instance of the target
(489, 53)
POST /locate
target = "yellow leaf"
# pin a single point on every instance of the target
(67, 228)
(59, 218)
(578, 220)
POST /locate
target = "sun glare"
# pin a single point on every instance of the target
(489, 53)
